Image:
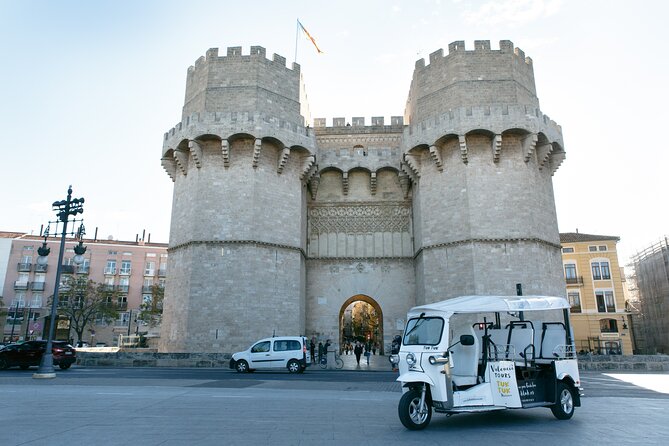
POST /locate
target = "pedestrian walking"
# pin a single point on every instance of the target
(312, 350)
(367, 352)
(357, 350)
(320, 351)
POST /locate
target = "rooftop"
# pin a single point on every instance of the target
(574, 237)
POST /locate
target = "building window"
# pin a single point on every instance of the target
(592, 248)
(601, 270)
(567, 250)
(575, 301)
(125, 267)
(19, 300)
(608, 326)
(111, 267)
(570, 272)
(605, 302)
(36, 301)
(603, 248)
(150, 269)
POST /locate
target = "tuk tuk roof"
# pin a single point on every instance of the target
(485, 304)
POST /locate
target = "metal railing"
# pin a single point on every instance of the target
(574, 280)
(21, 285)
(24, 267)
(37, 286)
(40, 268)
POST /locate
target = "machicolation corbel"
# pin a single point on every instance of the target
(529, 145)
(436, 157)
(496, 147)
(372, 183)
(344, 182)
(256, 151)
(225, 151)
(181, 159)
(283, 158)
(463, 148)
(196, 151)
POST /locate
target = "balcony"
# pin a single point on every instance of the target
(40, 268)
(25, 267)
(37, 286)
(150, 272)
(147, 289)
(122, 288)
(125, 271)
(20, 285)
(109, 287)
(122, 306)
(574, 280)
(67, 269)
(162, 273)
(83, 269)
(110, 271)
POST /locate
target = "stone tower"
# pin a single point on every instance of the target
(481, 156)
(279, 227)
(237, 243)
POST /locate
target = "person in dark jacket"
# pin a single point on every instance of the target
(357, 350)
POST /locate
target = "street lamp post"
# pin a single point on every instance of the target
(64, 209)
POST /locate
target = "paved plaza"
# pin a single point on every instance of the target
(145, 406)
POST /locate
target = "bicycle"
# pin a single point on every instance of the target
(339, 363)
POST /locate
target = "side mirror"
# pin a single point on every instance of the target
(467, 340)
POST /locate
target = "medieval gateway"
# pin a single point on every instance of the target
(282, 226)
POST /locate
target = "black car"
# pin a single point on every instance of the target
(30, 353)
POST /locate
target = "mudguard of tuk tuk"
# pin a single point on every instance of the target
(576, 393)
(414, 377)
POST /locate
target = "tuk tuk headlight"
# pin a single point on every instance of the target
(411, 359)
(394, 359)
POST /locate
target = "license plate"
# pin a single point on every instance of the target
(68, 353)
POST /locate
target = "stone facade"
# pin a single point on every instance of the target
(277, 225)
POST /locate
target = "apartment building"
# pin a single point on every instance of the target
(131, 268)
(595, 290)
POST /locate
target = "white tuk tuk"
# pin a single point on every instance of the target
(483, 353)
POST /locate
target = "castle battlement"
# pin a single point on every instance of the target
(481, 48)
(359, 121)
(234, 54)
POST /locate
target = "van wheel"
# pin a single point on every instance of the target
(24, 367)
(294, 366)
(242, 366)
(411, 415)
(3, 364)
(563, 409)
(64, 366)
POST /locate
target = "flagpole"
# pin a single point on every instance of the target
(297, 32)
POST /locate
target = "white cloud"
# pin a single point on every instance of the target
(512, 12)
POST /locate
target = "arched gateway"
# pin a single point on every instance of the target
(361, 319)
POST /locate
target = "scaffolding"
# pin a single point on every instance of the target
(651, 271)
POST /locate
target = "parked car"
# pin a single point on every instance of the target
(30, 353)
(280, 352)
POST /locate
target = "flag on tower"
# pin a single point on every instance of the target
(306, 33)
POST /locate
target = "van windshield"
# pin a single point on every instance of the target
(423, 331)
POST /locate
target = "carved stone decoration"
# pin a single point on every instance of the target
(225, 150)
(282, 159)
(529, 145)
(496, 147)
(463, 148)
(196, 152)
(372, 183)
(256, 152)
(359, 218)
(360, 267)
(556, 160)
(436, 157)
(344, 182)
(170, 166)
(181, 159)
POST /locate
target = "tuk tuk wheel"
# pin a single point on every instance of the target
(411, 415)
(563, 409)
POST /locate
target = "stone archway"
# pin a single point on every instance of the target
(361, 316)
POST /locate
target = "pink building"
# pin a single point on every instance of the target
(131, 267)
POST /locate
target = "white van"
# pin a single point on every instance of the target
(278, 352)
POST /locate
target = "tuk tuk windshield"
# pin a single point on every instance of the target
(423, 331)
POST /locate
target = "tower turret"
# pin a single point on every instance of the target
(238, 159)
(481, 156)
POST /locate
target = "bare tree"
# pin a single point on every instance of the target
(84, 301)
(151, 311)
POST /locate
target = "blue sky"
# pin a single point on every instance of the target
(88, 88)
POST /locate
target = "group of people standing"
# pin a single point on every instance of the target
(357, 348)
